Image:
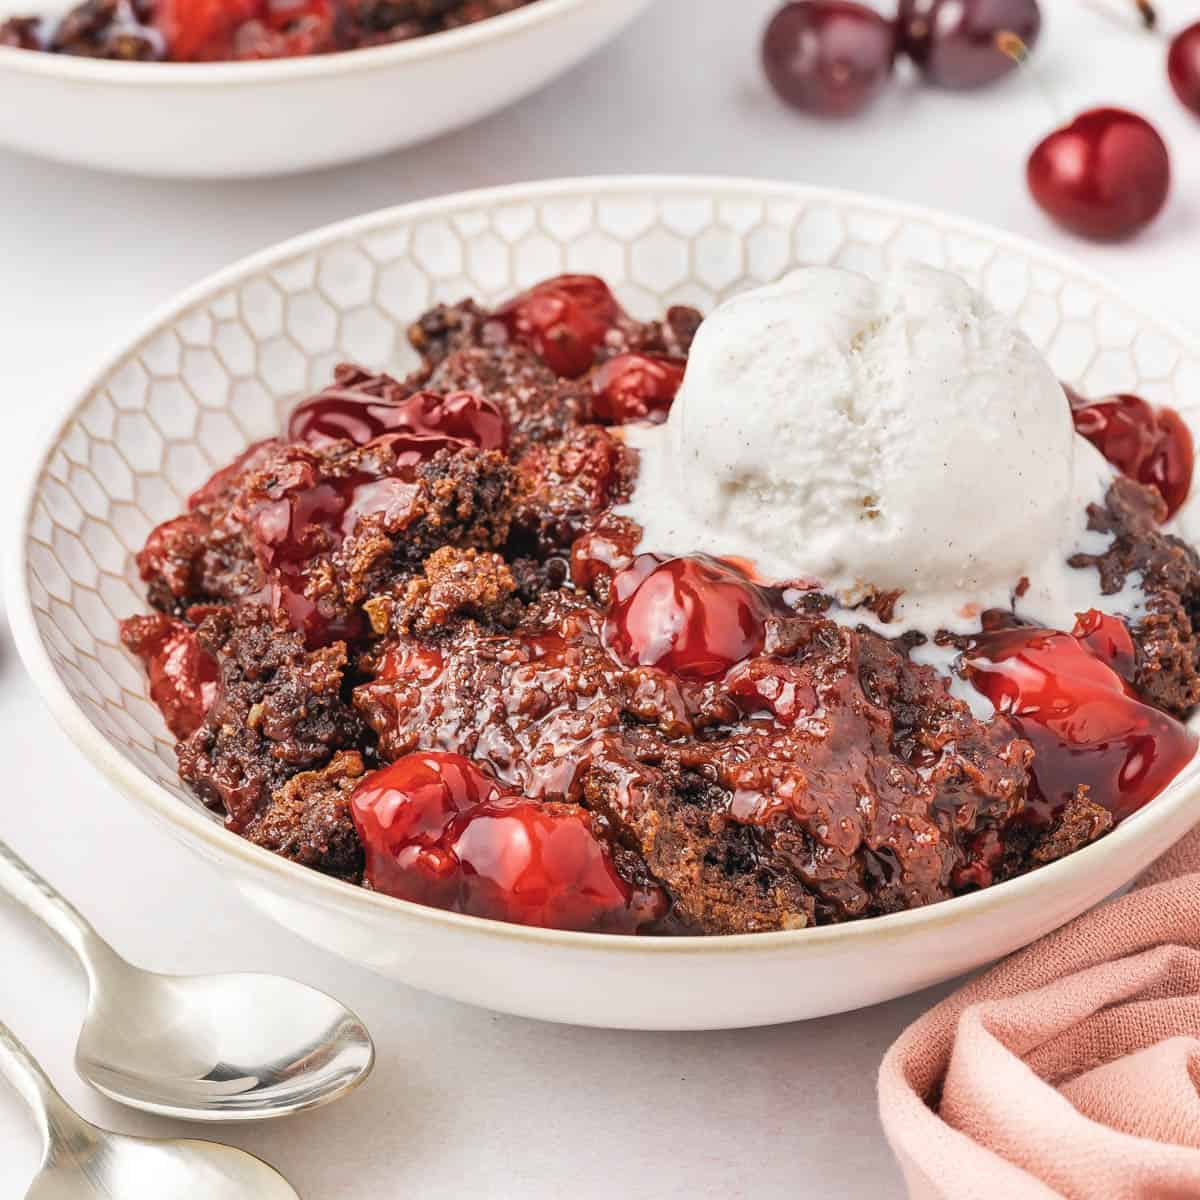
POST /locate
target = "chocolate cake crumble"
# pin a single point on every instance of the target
(409, 644)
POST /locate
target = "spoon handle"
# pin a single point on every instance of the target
(30, 890)
(29, 1081)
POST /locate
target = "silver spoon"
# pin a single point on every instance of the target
(199, 1047)
(83, 1162)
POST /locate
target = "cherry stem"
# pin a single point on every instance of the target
(1146, 11)
(1009, 43)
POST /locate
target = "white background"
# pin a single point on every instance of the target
(465, 1103)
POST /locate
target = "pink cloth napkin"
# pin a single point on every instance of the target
(1071, 1068)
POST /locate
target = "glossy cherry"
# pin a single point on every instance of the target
(1183, 66)
(828, 57)
(1149, 443)
(962, 43)
(1104, 176)
(436, 830)
(690, 616)
(636, 387)
(360, 417)
(564, 321)
(1084, 722)
(183, 678)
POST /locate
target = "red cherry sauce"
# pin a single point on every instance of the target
(312, 517)
(563, 320)
(360, 416)
(421, 663)
(436, 830)
(401, 697)
(1085, 723)
(249, 459)
(1145, 442)
(183, 678)
(601, 553)
(781, 688)
(203, 30)
(287, 29)
(289, 600)
(693, 617)
(298, 526)
(636, 387)
(1107, 638)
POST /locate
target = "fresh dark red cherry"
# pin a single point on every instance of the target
(346, 413)
(563, 320)
(183, 678)
(436, 830)
(1104, 176)
(961, 43)
(1085, 724)
(636, 387)
(1183, 66)
(690, 616)
(1149, 443)
(828, 57)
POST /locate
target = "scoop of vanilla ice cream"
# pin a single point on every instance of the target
(862, 436)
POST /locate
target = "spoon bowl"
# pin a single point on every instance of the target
(81, 1161)
(106, 1164)
(238, 1047)
(219, 1047)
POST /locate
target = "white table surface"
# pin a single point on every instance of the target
(465, 1103)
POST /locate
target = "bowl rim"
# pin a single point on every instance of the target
(289, 70)
(191, 822)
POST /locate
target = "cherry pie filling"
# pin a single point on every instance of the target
(547, 725)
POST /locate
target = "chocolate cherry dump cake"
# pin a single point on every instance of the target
(538, 633)
(238, 30)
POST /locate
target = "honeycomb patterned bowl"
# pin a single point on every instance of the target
(221, 366)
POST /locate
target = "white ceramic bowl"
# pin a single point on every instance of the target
(209, 120)
(222, 364)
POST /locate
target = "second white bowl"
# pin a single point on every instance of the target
(212, 120)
